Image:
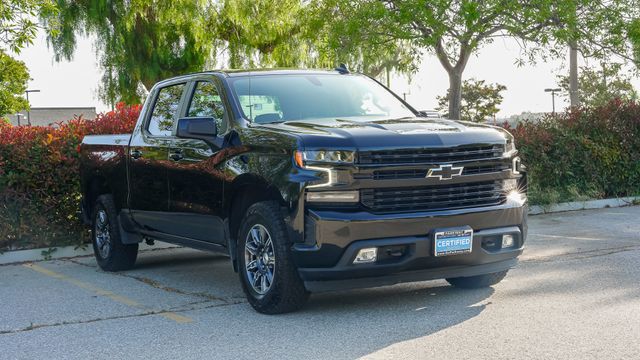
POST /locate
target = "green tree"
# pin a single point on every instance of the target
(331, 30)
(141, 42)
(453, 30)
(13, 83)
(137, 42)
(599, 86)
(633, 34)
(480, 101)
(259, 33)
(18, 26)
(597, 29)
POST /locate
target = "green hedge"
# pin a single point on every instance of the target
(583, 153)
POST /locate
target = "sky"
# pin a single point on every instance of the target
(75, 83)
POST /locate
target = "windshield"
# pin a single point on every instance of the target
(300, 97)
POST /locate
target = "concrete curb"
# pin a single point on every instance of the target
(63, 252)
(583, 205)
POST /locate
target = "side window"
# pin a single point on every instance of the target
(206, 102)
(165, 110)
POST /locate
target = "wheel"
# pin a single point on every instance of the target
(111, 254)
(479, 281)
(268, 276)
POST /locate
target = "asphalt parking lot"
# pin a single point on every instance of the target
(575, 294)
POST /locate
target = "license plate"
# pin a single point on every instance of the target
(453, 242)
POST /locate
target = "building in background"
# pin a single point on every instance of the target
(45, 116)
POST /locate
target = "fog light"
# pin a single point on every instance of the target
(366, 255)
(507, 241)
(333, 196)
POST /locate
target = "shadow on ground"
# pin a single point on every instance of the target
(349, 323)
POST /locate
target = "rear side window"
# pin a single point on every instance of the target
(165, 110)
(206, 102)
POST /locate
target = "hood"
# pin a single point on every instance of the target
(390, 133)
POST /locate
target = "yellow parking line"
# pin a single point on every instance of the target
(106, 293)
(177, 317)
(565, 237)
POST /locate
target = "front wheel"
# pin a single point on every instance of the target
(269, 278)
(479, 281)
(111, 254)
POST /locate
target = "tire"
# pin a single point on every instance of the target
(479, 281)
(271, 282)
(111, 254)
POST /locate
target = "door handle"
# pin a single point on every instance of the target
(136, 154)
(176, 155)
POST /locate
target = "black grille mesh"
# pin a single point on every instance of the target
(438, 197)
(431, 155)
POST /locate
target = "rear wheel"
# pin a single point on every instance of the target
(269, 278)
(111, 254)
(479, 281)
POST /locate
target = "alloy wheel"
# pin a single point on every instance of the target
(103, 234)
(259, 257)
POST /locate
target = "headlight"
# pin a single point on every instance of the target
(323, 162)
(325, 156)
(510, 147)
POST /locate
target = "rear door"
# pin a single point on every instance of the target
(149, 159)
(195, 179)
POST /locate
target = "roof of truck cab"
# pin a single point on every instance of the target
(258, 72)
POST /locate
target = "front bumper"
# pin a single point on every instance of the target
(333, 238)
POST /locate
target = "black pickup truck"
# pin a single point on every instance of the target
(310, 181)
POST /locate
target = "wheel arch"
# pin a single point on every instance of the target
(95, 186)
(246, 190)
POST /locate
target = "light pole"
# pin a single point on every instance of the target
(18, 115)
(553, 98)
(28, 109)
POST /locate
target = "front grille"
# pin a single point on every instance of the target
(438, 197)
(431, 155)
(422, 173)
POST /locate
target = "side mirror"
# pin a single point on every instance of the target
(202, 128)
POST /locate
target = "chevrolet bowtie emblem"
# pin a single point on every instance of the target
(445, 172)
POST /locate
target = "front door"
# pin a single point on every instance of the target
(195, 179)
(149, 160)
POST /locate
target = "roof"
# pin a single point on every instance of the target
(254, 72)
(258, 72)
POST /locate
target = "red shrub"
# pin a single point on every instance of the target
(39, 177)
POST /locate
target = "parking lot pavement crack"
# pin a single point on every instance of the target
(579, 255)
(118, 317)
(76, 322)
(160, 286)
